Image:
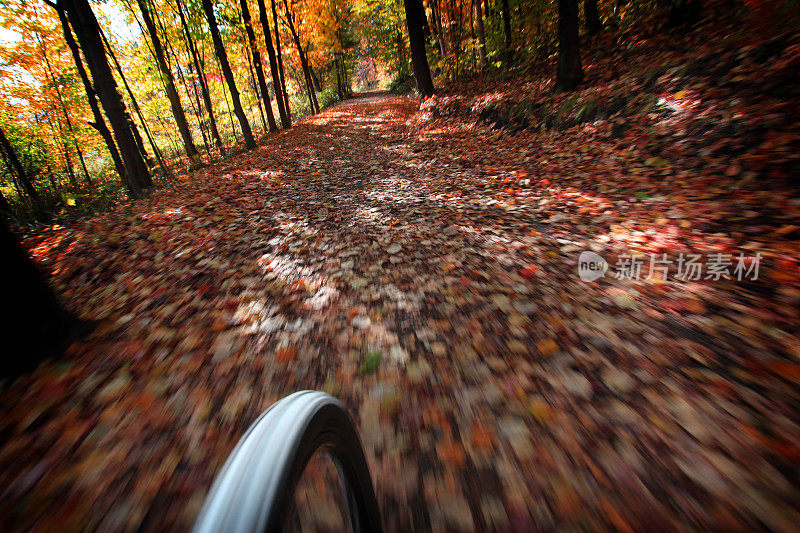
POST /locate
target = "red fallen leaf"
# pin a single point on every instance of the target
(776, 174)
(465, 281)
(285, 354)
(481, 438)
(547, 346)
(450, 453)
(529, 272)
(786, 370)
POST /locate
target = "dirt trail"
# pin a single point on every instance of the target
(370, 256)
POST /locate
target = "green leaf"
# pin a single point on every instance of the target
(372, 360)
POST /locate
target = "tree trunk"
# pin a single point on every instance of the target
(35, 326)
(68, 164)
(509, 48)
(437, 23)
(592, 16)
(69, 124)
(347, 86)
(273, 64)
(99, 123)
(339, 82)
(570, 71)
(195, 107)
(219, 48)
(5, 207)
(137, 137)
(137, 176)
(423, 20)
(193, 98)
(231, 118)
(314, 78)
(169, 84)
(312, 98)
(256, 89)
(201, 78)
(481, 35)
(16, 167)
(280, 62)
(309, 86)
(419, 58)
(262, 83)
(222, 56)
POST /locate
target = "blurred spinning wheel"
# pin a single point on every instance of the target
(299, 467)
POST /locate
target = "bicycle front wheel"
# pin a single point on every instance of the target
(255, 488)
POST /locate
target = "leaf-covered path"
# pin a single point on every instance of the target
(415, 270)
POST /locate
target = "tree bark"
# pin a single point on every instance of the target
(169, 83)
(68, 163)
(314, 78)
(231, 118)
(137, 175)
(570, 71)
(280, 62)
(195, 107)
(423, 20)
(135, 129)
(437, 24)
(201, 78)
(481, 35)
(419, 58)
(262, 83)
(509, 47)
(137, 137)
(70, 129)
(592, 16)
(256, 88)
(5, 207)
(16, 167)
(35, 326)
(219, 48)
(339, 85)
(312, 97)
(273, 64)
(99, 123)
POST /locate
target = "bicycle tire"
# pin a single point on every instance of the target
(254, 489)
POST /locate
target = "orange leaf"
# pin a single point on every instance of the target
(481, 438)
(285, 354)
(547, 346)
(450, 453)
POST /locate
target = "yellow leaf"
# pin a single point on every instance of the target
(547, 346)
